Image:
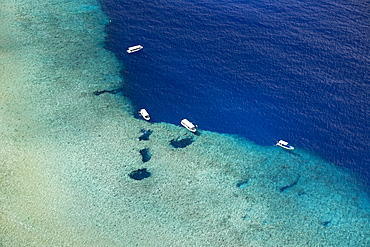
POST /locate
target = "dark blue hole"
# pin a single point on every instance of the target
(326, 223)
(140, 174)
(181, 143)
(145, 135)
(242, 184)
(146, 155)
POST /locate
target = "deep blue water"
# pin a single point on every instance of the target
(263, 69)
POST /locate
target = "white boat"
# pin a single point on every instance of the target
(189, 125)
(284, 144)
(134, 48)
(144, 114)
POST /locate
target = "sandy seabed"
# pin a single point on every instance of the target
(65, 156)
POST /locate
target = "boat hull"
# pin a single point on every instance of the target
(144, 114)
(135, 48)
(188, 125)
(284, 144)
(286, 147)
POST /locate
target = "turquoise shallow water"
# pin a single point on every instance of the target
(67, 154)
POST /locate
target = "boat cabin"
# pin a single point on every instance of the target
(144, 114)
(189, 125)
(284, 144)
(134, 48)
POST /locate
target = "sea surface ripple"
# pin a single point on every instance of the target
(264, 70)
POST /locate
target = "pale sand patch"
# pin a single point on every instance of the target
(33, 200)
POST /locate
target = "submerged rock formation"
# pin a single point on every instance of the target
(66, 155)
